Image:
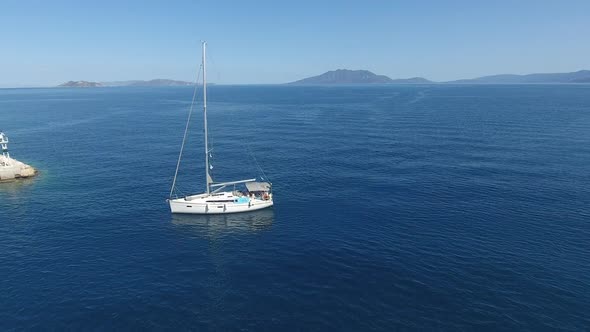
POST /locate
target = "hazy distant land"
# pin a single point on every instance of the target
(155, 82)
(581, 76)
(345, 76)
(80, 84)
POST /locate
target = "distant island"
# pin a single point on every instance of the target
(581, 76)
(80, 84)
(155, 82)
(345, 76)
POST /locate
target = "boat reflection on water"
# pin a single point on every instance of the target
(15, 186)
(210, 225)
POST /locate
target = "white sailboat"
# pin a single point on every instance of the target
(216, 200)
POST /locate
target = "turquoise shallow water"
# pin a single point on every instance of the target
(396, 207)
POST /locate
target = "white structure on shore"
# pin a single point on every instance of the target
(10, 168)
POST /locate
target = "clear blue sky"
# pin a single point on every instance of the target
(49, 42)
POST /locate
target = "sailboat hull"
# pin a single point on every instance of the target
(201, 204)
(258, 196)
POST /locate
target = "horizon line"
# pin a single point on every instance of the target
(27, 86)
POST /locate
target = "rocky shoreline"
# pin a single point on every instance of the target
(11, 169)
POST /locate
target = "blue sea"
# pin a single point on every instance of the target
(423, 207)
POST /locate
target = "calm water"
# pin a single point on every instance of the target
(418, 207)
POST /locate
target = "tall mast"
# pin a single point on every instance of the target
(208, 177)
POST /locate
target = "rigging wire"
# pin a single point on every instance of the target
(190, 112)
(212, 63)
(257, 164)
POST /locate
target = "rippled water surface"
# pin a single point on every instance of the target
(396, 207)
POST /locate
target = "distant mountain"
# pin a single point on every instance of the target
(581, 76)
(80, 84)
(345, 76)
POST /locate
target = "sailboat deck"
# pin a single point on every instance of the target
(224, 202)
